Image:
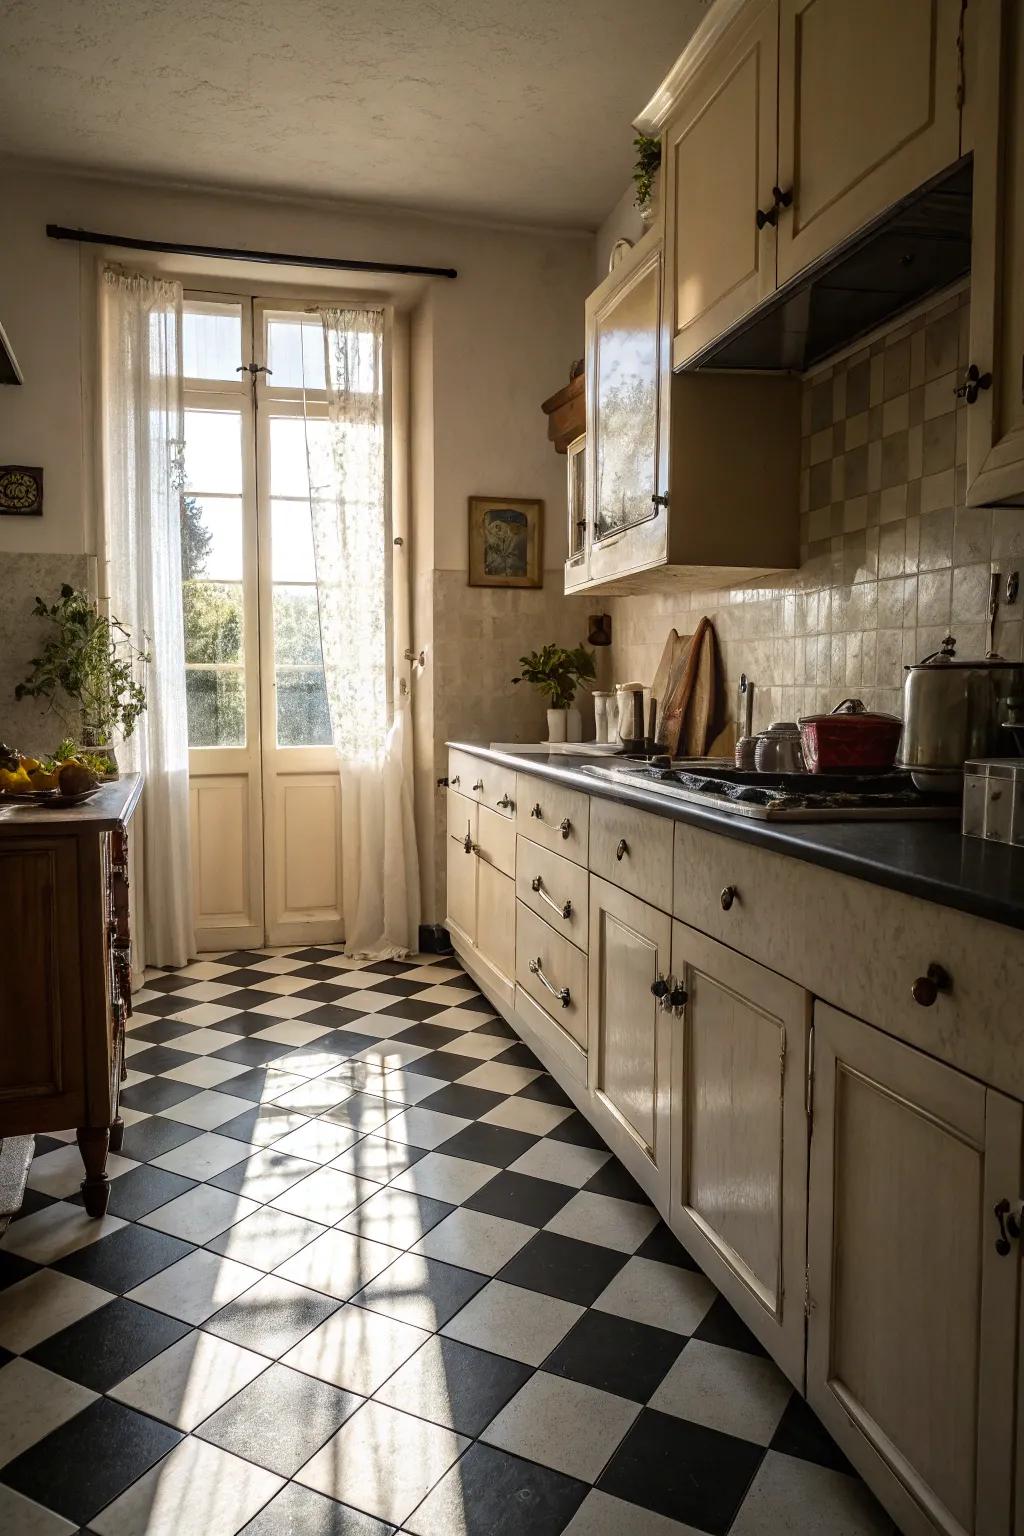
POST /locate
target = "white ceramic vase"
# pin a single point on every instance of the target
(556, 724)
(573, 724)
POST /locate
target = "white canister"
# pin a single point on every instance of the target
(603, 713)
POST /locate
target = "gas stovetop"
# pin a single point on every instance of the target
(715, 783)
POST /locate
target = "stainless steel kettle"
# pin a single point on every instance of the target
(954, 710)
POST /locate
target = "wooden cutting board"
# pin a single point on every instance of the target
(667, 678)
(690, 704)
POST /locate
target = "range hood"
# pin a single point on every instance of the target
(10, 373)
(916, 248)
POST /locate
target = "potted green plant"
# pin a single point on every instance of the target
(558, 673)
(89, 673)
(645, 171)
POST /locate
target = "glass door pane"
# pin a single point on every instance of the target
(627, 395)
(303, 718)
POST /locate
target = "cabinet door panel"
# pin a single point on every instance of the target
(720, 168)
(496, 919)
(630, 1035)
(907, 1160)
(867, 111)
(461, 865)
(739, 1081)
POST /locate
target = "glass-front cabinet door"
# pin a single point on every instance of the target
(627, 398)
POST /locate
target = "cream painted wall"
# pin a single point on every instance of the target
(623, 222)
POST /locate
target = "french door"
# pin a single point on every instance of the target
(264, 788)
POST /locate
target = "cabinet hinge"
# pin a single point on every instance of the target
(807, 1293)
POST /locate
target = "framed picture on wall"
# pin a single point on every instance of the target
(506, 542)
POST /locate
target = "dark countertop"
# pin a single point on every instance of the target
(930, 859)
(113, 806)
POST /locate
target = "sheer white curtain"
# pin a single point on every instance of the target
(350, 509)
(142, 457)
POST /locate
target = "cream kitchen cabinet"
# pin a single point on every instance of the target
(994, 129)
(688, 479)
(481, 887)
(913, 1277)
(739, 1112)
(630, 1037)
(461, 865)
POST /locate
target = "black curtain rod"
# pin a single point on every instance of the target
(230, 253)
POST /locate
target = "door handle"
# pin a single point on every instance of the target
(562, 993)
(564, 826)
(564, 911)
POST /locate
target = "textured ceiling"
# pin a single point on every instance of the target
(507, 109)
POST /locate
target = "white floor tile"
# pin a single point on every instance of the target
(356, 1349)
(662, 1295)
(204, 1156)
(389, 1054)
(207, 1109)
(200, 1213)
(33, 1402)
(441, 994)
(444, 1178)
(376, 1158)
(269, 1173)
(205, 1072)
(55, 1231)
(198, 1490)
(383, 1461)
(284, 1020)
(370, 1024)
(42, 1304)
(474, 1240)
(266, 1238)
(791, 1497)
(399, 1087)
(338, 1264)
(205, 970)
(60, 1172)
(368, 1002)
(204, 1015)
(620, 1224)
(602, 1515)
(314, 1095)
(530, 1115)
(307, 1062)
(274, 1124)
(276, 964)
(464, 1019)
(22, 1517)
(725, 1389)
(203, 992)
(282, 986)
(277, 1082)
(481, 1047)
(561, 1162)
(320, 1141)
(367, 978)
(189, 1381)
(425, 1127)
(433, 971)
(508, 1320)
(326, 1195)
(499, 1077)
(562, 1424)
(390, 1216)
(202, 1041)
(196, 1286)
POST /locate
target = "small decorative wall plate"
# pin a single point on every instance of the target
(21, 491)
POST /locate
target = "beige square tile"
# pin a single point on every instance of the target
(415, 1453)
(195, 1477)
(33, 1403)
(26, 1518)
(803, 1499)
(338, 1264)
(356, 1349)
(602, 1515)
(189, 1381)
(725, 1389)
(619, 1224)
(529, 1115)
(55, 1231)
(563, 1424)
(42, 1304)
(196, 1286)
(326, 1195)
(507, 1320)
(475, 1240)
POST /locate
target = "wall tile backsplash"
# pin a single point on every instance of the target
(891, 558)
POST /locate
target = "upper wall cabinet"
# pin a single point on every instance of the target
(788, 125)
(994, 130)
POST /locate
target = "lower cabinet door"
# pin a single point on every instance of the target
(630, 1034)
(913, 1285)
(461, 865)
(739, 1112)
(496, 920)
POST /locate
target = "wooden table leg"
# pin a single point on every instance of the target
(116, 1134)
(93, 1141)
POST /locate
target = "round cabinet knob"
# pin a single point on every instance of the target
(927, 987)
(659, 988)
(728, 896)
(678, 999)
(766, 217)
(478, 785)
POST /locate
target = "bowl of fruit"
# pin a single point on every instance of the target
(69, 779)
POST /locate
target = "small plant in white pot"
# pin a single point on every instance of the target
(645, 175)
(558, 674)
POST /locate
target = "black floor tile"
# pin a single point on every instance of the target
(163, 1006)
(315, 970)
(546, 1090)
(475, 1385)
(156, 1093)
(280, 1420)
(399, 1290)
(6, 1356)
(245, 998)
(146, 1139)
(443, 1064)
(457, 1099)
(372, 1219)
(519, 1055)
(160, 1031)
(801, 1433)
(408, 1008)
(495, 1028)
(241, 957)
(298, 1511)
(563, 1267)
(32, 1200)
(722, 1325)
(396, 987)
(394, 967)
(243, 976)
(430, 1036)
(286, 1171)
(107, 1345)
(493, 1144)
(14, 1268)
(576, 1130)
(44, 1144)
(331, 1013)
(141, 1190)
(477, 1003)
(616, 1355)
(168, 982)
(243, 1125)
(665, 1247)
(519, 1197)
(244, 1024)
(344, 1042)
(490, 1493)
(252, 1053)
(317, 952)
(251, 1084)
(83, 1466)
(124, 1259)
(683, 1470)
(158, 1058)
(274, 1326)
(612, 1179)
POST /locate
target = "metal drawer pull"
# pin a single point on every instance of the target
(467, 841)
(506, 803)
(728, 896)
(927, 987)
(478, 785)
(564, 826)
(455, 781)
(1009, 1226)
(622, 849)
(565, 910)
(562, 993)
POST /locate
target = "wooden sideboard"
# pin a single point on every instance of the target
(65, 972)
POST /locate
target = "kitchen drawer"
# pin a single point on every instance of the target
(496, 840)
(862, 947)
(486, 783)
(632, 849)
(496, 921)
(561, 898)
(553, 816)
(563, 965)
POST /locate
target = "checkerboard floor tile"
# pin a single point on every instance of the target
(365, 1267)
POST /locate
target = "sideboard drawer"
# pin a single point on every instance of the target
(553, 816)
(487, 783)
(632, 849)
(563, 968)
(560, 897)
(496, 840)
